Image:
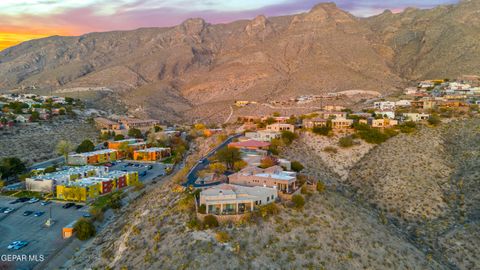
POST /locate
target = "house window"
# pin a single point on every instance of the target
(268, 199)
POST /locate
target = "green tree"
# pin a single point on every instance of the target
(64, 148)
(157, 128)
(218, 168)
(228, 156)
(135, 133)
(296, 166)
(322, 130)
(298, 201)
(270, 120)
(288, 137)
(434, 120)
(268, 161)
(210, 221)
(118, 137)
(84, 229)
(85, 146)
(11, 166)
(34, 116)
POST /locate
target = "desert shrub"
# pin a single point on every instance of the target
(320, 186)
(346, 142)
(268, 210)
(298, 201)
(322, 130)
(210, 221)
(304, 190)
(375, 136)
(96, 213)
(222, 237)
(297, 166)
(288, 137)
(186, 203)
(434, 120)
(330, 149)
(407, 127)
(115, 201)
(84, 229)
(202, 209)
(194, 224)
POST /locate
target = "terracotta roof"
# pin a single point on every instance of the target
(250, 143)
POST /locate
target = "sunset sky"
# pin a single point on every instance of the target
(22, 20)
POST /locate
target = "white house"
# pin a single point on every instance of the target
(226, 199)
(263, 135)
(384, 105)
(416, 117)
(22, 118)
(388, 114)
(403, 103)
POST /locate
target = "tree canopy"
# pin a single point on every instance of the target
(11, 166)
(228, 156)
(85, 146)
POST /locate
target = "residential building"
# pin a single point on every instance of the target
(314, 122)
(384, 105)
(274, 177)
(91, 187)
(94, 157)
(227, 199)
(379, 123)
(107, 124)
(263, 135)
(151, 154)
(278, 127)
(141, 124)
(132, 144)
(250, 145)
(403, 103)
(332, 115)
(416, 117)
(333, 108)
(341, 123)
(386, 113)
(47, 182)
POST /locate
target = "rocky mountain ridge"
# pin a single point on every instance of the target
(167, 72)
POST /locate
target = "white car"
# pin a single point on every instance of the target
(16, 245)
(33, 200)
(8, 210)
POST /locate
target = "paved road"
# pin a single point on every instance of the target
(203, 162)
(48, 163)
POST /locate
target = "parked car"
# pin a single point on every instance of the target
(33, 200)
(27, 213)
(150, 167)
(78, 206)
(143, 173)
(39, 213)
(16, 245)
(86, 215)
(68, 205)
(108, 165)
(8, 210)
(45, 203)
(2, 209)
(23, 199)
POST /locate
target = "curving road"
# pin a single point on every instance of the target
(203, 162)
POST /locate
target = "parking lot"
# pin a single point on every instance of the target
(156, 169)
(43, 240)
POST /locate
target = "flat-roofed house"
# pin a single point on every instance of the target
(151, 154)
(228, 199)
(274, 177)
(263, 135)
(314, 122)
(250, 145)
(278, 127)
(341, 123)
(94, 157)
(416, 117)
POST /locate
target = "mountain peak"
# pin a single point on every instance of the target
(324, 7)
(257, 25)
(193, 26)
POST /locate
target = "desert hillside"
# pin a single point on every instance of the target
(169, 72)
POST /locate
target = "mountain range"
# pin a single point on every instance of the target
(199, 68)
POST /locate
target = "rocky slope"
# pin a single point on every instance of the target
(168, 72)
